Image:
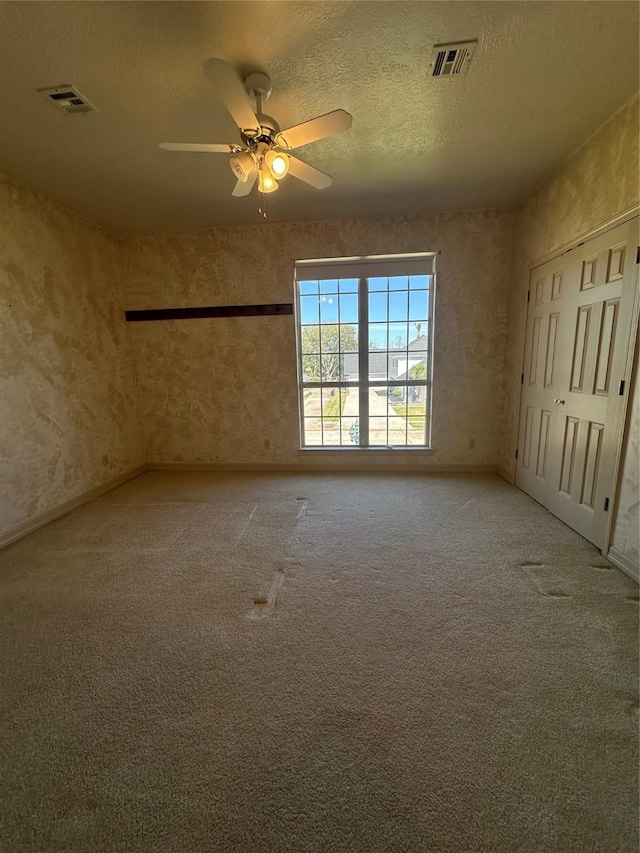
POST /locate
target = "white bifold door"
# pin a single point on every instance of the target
(573, 395)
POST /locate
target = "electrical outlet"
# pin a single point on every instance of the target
(105, 459)
(267, 444)
(472, 444)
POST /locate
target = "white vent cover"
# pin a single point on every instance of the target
(451, 60)
(68, 99)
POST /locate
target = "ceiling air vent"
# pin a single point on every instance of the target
(451, 60)
(68, 99)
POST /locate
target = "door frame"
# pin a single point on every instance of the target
(609, 225)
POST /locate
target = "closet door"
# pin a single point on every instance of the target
(547, 324)
(571, 414)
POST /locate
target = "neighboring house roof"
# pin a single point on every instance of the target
(378, 360)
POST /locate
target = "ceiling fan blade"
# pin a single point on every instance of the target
(244, 187)
(232, 93)
(314, 129)
(222, 148)
(309, 174)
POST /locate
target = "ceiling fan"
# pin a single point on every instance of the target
(263, 156)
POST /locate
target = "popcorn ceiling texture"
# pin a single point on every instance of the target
(214, 390)
(67, 395)
(597, 183)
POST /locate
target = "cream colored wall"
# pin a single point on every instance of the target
(599, 182)
(67, 387)
(215, 390)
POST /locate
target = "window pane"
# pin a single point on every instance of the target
(310, 368)
(310, 339)
(349, 308)
(398, 282)
(350, 367)
(331, 409)
(409, 405)
(379, 367)
(348, 285)
(348, 338)
(308, 309)
(312, 401)
(349, 423)
(417, 431)
(329, 339)
(416, 365)
(397, 335)
(397, 431)
(308, 286)
(328, 309)
(312, 432)
(419, 281)
(332, 404)
(377, 283)
(377, 336)
(332, 367)
(378, 308)
(398, 308)
(329, 285)
(419, 305)
(377, 432)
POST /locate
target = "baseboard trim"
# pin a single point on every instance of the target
(622, 562)
(364, 467)
(33, 524)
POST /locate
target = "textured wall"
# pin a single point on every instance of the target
(67, 390)
(597, 183)
(214, 390)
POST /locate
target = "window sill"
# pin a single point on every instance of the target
(337, 448)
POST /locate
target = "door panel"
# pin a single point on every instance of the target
(578, 330)
(539, 420)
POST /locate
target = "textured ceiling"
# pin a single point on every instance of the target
(545, 76)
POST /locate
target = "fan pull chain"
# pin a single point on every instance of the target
(262, 207)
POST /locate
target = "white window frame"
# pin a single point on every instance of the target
(364, 268)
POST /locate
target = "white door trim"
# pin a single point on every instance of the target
(628, 376)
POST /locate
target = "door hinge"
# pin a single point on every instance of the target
(606, 504)
(638, 255)
(516, 452)
(522, 378)
(621, 388)
(528, 295)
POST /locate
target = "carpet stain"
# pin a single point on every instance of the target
(602, 567)
(634, 598)
(555, 594)
(303, 503)
(264, 606)
(247, 523)
(539, 585)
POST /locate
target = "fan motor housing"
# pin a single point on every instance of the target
(267, 132)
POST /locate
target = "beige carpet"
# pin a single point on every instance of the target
(217, 662)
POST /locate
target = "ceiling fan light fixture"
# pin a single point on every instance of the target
(243, 166)
(278, 163)
(266, 182)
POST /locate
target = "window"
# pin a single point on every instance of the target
(364, 351)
